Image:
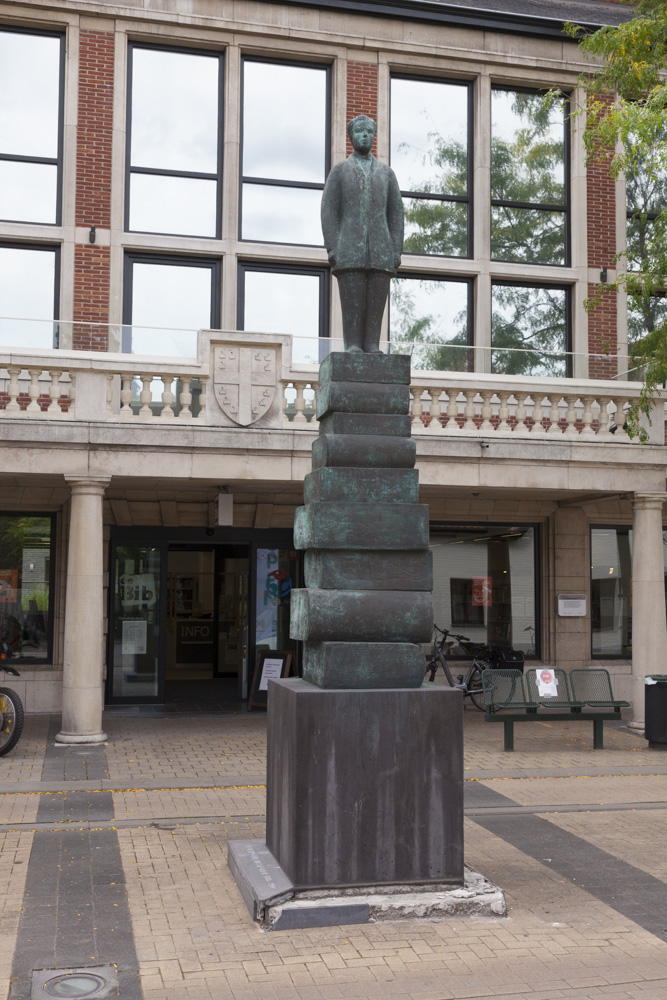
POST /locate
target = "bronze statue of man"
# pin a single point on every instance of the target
(362, 222)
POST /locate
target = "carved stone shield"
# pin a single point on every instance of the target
(244, 382)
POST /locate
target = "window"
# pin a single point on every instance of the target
(31, 110)
(431, 319)
(267, 295)
(485, 579)
(529, 177)
(530, 330)
(29, 281)
(284, 151)
(175, 146)
(167, 300)
(26, 575)
(430, 154)
(644, 314)
(646, 198)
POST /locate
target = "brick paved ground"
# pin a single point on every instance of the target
(575, 837)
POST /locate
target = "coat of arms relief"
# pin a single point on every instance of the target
(245, 380)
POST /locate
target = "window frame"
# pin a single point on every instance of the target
(52, 516)
(566, 207)
(155, 171)
(451, 278)
(53, 161)
(49, 248)
(436, 526)
(321, 271)
(133, 257)
(267, 181)
(470, 171)
(552, 286)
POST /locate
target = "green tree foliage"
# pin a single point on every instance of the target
(626, 125)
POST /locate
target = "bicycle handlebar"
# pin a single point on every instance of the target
(444, 632)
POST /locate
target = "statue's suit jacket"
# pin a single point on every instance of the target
(362, 217)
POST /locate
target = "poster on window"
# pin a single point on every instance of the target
(134, 638)
(8, 584)
(482, 590)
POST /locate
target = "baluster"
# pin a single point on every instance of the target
(299, 404)
(452, 412)
(126, 412)
(314, 421)
(146, 398)
(285, 384)
(34, 409)
(202, 400)
(167, 398)
(554, 416)
(587, 418)
(416, 408)
(503, 413)
(538, 415)
(469, 426)
(571, 416)
(619, 419)
(13, 390)
(486, 426)
(54, 410)
(185, 398)
(604, 431)
(435, 409)
(520, 428)
(72, 395)
(109, 409)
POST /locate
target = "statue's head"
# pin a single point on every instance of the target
(361, 131)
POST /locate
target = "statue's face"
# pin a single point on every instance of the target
(363, 134)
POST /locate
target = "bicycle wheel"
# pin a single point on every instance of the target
(476, 689)
(431, 667)
(11, 720)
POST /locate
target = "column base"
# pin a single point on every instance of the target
(637, 725)
(74, 738)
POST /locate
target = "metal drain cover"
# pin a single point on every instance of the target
(97, 982)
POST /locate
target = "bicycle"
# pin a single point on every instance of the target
(469, 683)
(11, 714)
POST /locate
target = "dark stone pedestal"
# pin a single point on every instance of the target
(365, 786)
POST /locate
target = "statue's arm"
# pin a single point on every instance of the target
(395, 217)
(331, 212)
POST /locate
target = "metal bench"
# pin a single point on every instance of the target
(511, 696)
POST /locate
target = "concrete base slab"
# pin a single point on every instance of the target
(276, 905)
(75, 738)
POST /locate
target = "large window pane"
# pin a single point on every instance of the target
(644, 314)
(268, 307)
(30, 126)
(281, 214)
(528, 177)
(183, 205)
(285, 142)
(429, 319)
(135, 641)
(26, 544)
(27, 296)
(529, 330)
(169, 303)
(430, 127)
(175, 121)
(646, 192)
(484, 583)
(611, 591)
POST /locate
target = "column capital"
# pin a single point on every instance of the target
(94, 485)
(648, 501)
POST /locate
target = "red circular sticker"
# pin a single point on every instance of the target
(546, 676)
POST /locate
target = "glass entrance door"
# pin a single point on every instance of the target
(136, 634)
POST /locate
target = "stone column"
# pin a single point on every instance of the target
(83, 666)
(649, 632)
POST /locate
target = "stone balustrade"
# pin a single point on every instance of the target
(484, 405)
(271, 392)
